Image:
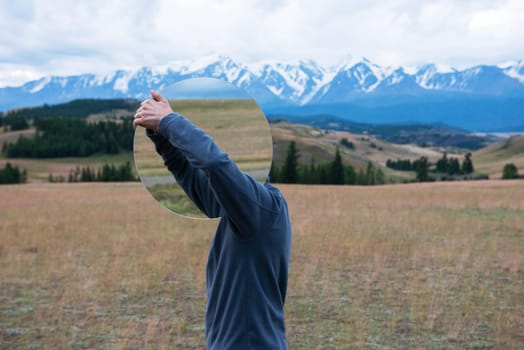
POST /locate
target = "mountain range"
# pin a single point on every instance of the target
(479, 98)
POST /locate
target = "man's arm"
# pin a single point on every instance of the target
(248, 204)
(193, 181)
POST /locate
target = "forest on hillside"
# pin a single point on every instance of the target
(68, 137)
(64, 130)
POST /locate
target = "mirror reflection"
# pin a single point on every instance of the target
(224, 111)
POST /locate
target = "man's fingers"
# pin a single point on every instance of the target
(150, 110)
(156, 96)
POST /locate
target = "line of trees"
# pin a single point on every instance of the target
(451, 167)
(70, 137)
(419, 166)
(334, 172)
(106, 173)
(445, 165)
(400, 164)
(14, 123)
(12, 174)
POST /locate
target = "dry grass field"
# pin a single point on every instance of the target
(419, 266)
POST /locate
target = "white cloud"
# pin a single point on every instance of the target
(41, 37)
(498, 31)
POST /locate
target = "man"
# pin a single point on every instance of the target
(247, 268)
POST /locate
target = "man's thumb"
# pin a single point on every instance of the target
(156, 96)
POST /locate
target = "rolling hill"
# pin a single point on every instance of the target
(320, 145)
(426, 135)
(491, 159)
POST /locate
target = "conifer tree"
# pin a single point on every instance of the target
(337, 170)
(370, 174)
(421, 168)
(442, 164)
(467, 165)
(453, 166)
(289, 172)
(380, 178)
(350, 176)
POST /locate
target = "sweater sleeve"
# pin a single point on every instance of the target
(193, 181)
(246, 203)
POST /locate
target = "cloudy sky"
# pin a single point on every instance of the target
(40, 37)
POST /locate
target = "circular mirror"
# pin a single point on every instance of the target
(225, 112)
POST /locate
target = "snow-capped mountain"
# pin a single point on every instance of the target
(349, 81)
(282, 85)
(294, 82)
(435, 77)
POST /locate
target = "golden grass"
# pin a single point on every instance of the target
(89, 264)
(416, 266)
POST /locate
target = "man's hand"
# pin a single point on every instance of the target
(151, 112)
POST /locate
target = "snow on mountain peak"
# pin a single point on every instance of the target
(40, 84)
(444, 68)
(425, 74)
(429, 76)
(514, 69)
(295, 80)
(509, 64)
(397, 76)
(193, 65)
(411, 70)
(100, 79)
(379, 71)
(122, 81)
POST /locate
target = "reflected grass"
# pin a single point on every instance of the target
(174, 198)
(238, 127)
